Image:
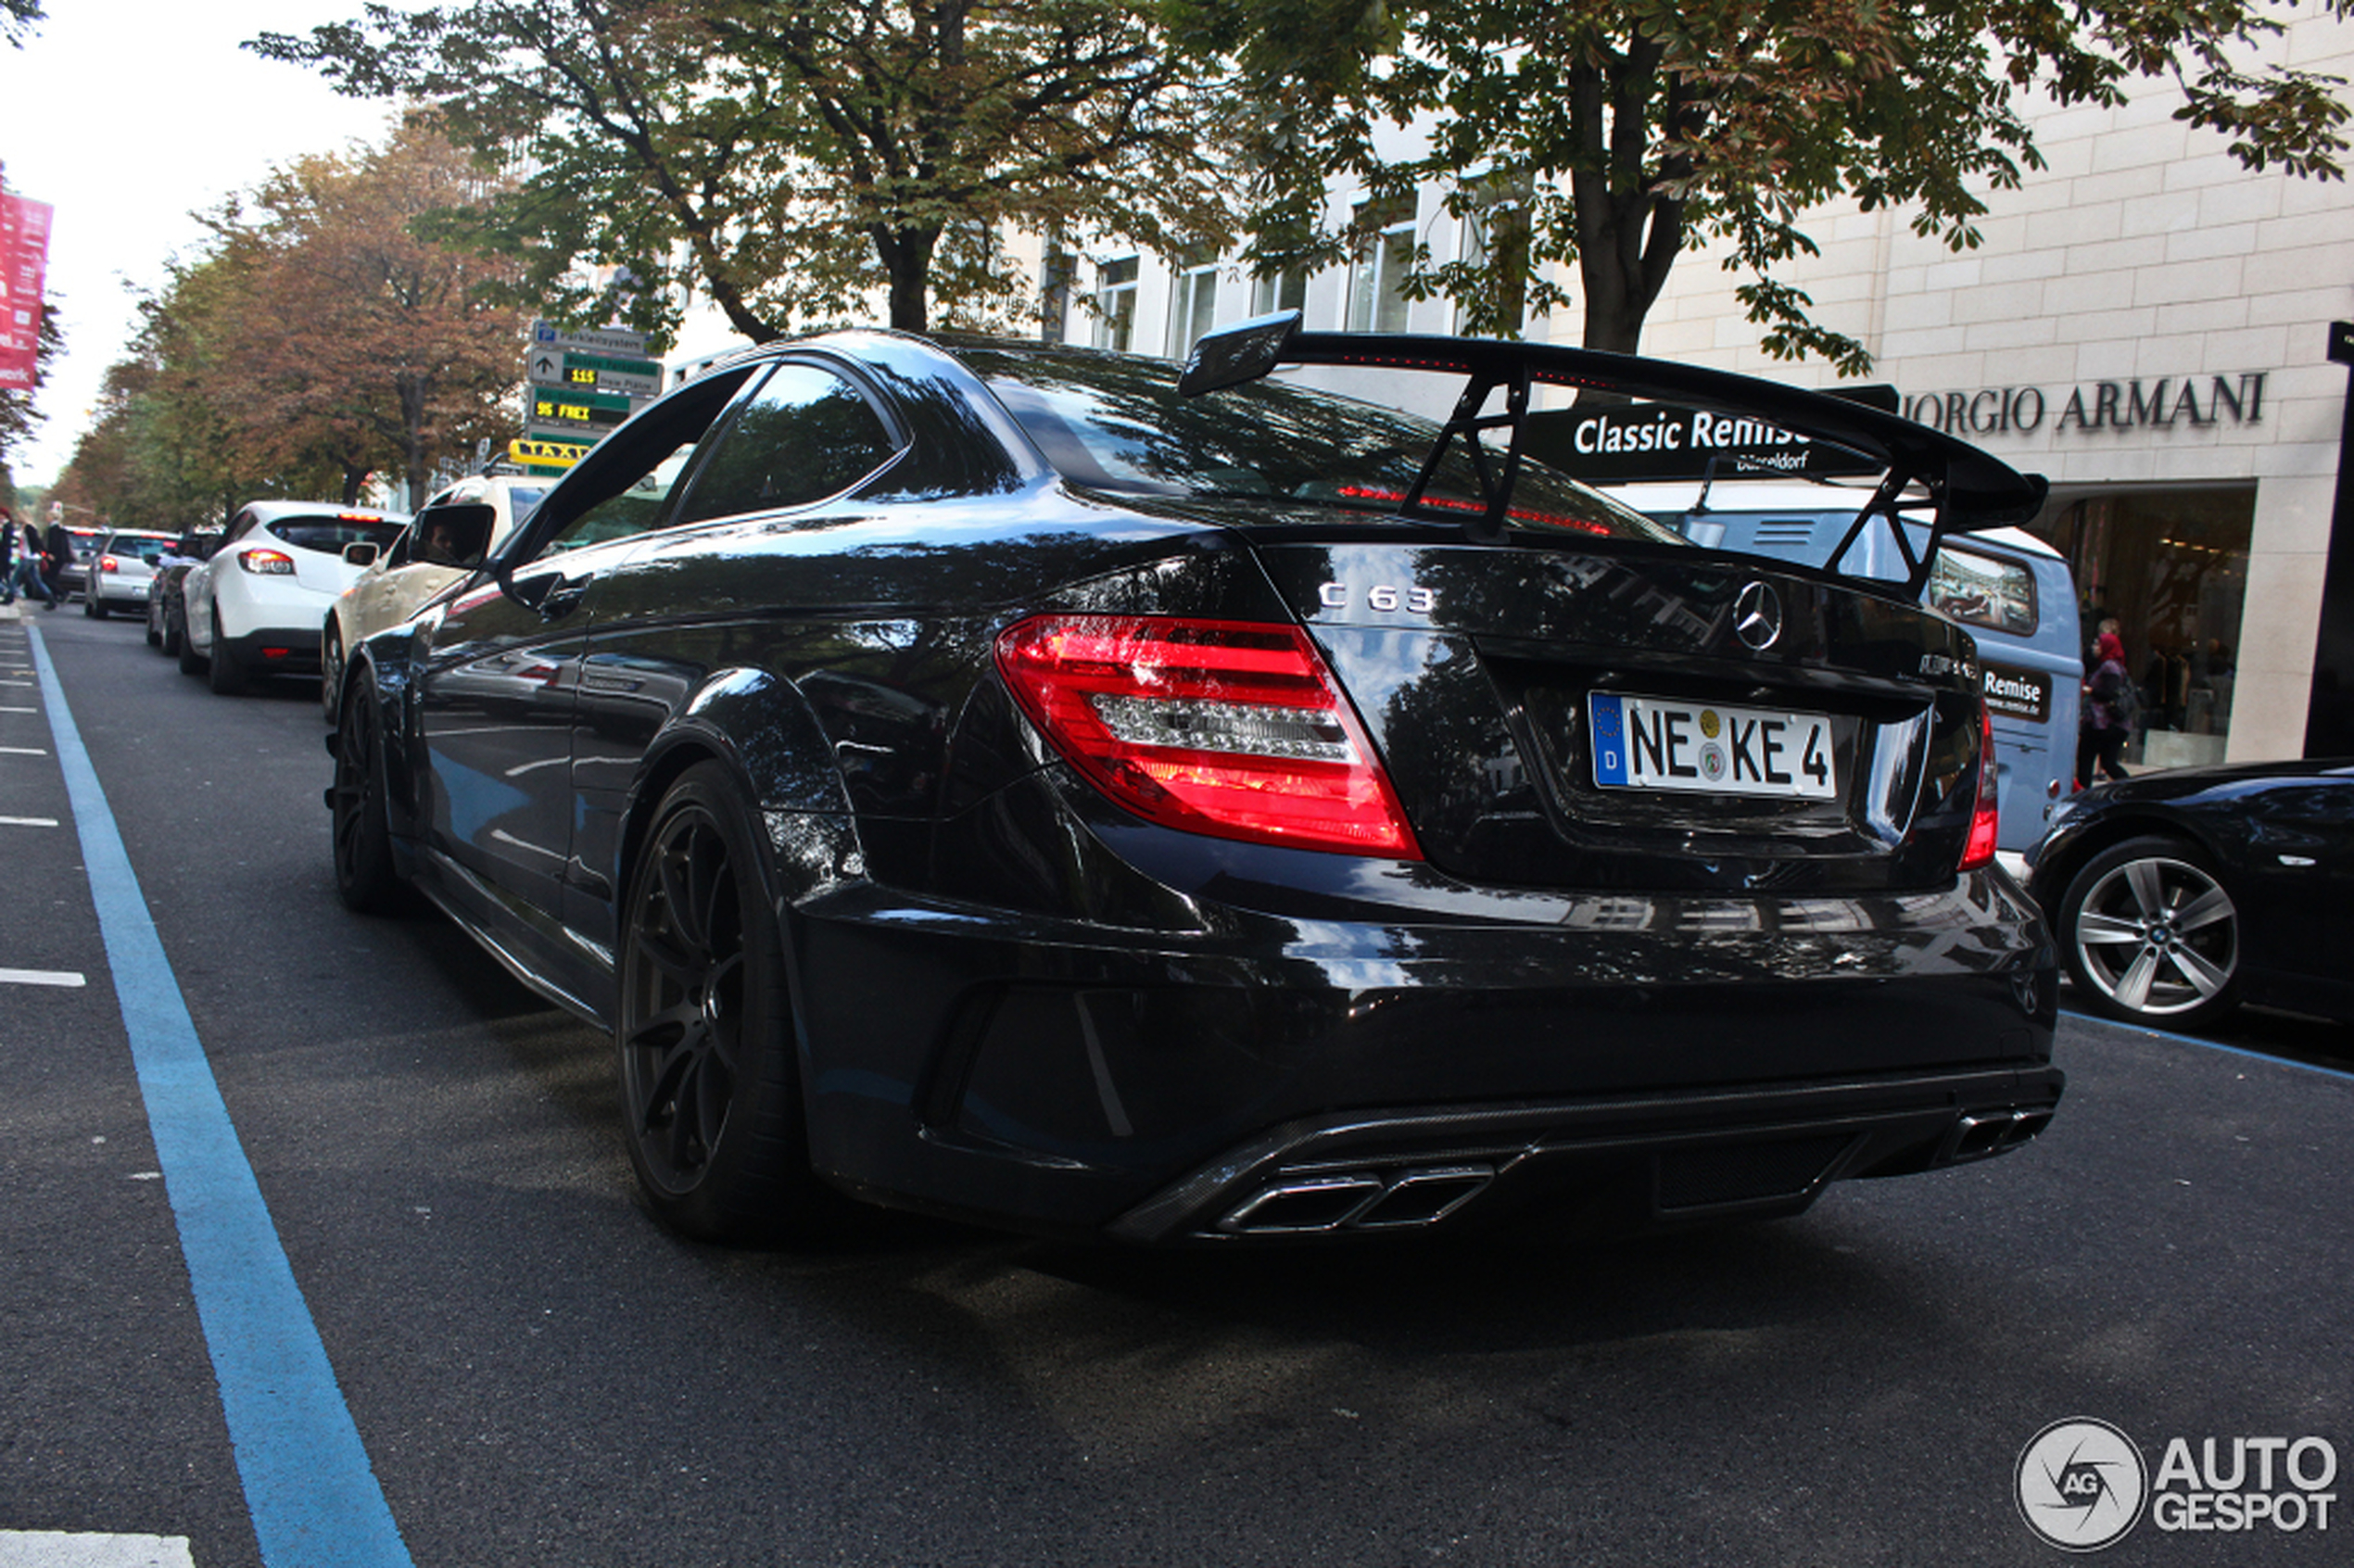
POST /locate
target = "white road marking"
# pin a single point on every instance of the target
(56, 1548)
(65, 978)
(22, 752)
(28, 822)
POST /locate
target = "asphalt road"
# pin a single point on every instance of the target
(540, 1376)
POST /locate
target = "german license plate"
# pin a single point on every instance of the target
(1663, 743)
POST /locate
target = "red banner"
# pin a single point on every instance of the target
(24, 265)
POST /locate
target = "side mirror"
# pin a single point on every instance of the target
(453, 536)
(360, 554)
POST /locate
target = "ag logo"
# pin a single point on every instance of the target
(2080, 1484)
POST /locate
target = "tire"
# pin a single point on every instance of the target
(2149, 935)
(155, 633)
(175, 635)
(224, 673)
(710, 1082)
(365, 877)
(330, 670)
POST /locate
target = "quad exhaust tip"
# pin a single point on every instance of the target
(1356, 1201)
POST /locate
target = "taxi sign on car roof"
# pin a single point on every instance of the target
(546, 456)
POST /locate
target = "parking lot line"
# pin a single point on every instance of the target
(66, 977)
(56, 1548)
(309, 1490)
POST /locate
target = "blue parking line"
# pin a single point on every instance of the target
(314, 1498)
(2210, 1045)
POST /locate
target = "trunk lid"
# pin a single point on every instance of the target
(1648, 717)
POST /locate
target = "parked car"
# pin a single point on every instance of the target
(75, 575)
(254, 606)
(2175, 896)
(1021, 782)
(117, 577)
(167, 607)
(394, 582)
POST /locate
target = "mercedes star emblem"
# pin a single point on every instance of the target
(1757, 616)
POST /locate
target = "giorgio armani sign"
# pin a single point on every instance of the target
(2175, 405)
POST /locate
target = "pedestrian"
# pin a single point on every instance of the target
(7, 556)
(25, 576)
(60, 556)
(2105, 720)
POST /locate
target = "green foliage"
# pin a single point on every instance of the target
(1620, 133)
(790, 158)
(16, 19)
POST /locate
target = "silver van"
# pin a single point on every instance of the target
(2009, 589)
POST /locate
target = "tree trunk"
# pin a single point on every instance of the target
(906, 255)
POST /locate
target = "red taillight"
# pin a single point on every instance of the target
(268, 563)
(1986, 816)
(107, 563)
(1226, 728)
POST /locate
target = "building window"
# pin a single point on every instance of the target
(1193, 307)
(1116, 303)
(1284, 290)
(2171, 568)
(1377, 272)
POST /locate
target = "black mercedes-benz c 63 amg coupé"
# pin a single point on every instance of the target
(1034, 785)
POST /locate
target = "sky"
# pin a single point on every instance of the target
(127, 115)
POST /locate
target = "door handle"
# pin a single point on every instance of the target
(563, 597)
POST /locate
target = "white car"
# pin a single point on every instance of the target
(254, 607)
(457, 526)
(115, 576)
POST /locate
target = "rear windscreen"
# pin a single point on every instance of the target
(138, 549)
(1114, 422)
(1982, 590)
(328, 534)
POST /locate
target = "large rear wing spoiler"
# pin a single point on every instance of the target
(1964, 488)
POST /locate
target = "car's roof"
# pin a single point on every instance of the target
(270, 511)
(138, 534)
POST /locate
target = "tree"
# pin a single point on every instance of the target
(791, 158)
(1617, 133)
(17, 18)
(360, 337)
(314, 342)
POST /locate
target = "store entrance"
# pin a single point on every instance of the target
(2170, 567)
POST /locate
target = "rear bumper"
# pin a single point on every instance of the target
(1607, 1164)
(276, 651)
(1152, 1086)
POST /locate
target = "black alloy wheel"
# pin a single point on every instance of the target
(2150, 936)
(365, 877)
(709, 1082)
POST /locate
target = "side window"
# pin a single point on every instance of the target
(239, 528)
(632, 510)
(805, 436)
(624, 486)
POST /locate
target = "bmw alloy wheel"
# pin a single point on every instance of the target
(2152, 935)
